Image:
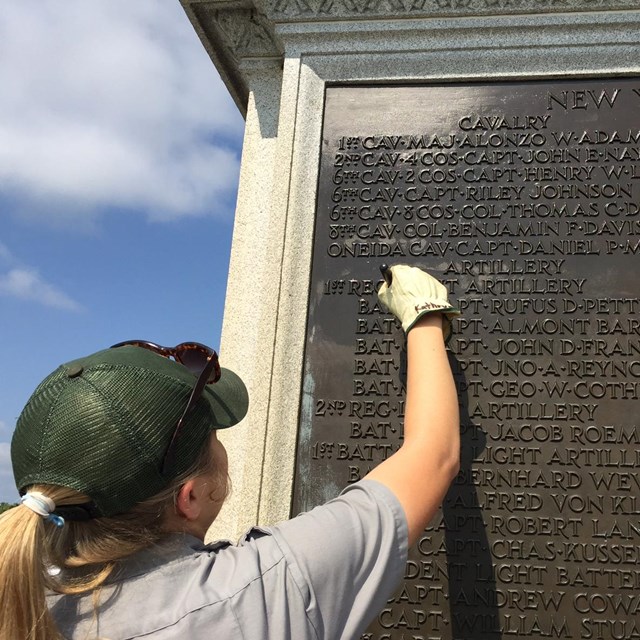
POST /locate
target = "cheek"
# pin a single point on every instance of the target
(220, 457)
(220, 473)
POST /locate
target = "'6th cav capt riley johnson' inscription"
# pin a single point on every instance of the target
(524, 198)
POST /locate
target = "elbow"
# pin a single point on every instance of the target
(454, 458)
(452, 466)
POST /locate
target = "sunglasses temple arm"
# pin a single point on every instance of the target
(193, 399)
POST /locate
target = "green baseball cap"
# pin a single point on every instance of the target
(102, 424)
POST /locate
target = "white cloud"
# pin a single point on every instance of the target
(111, 103)
(27, 284)
(23, 282)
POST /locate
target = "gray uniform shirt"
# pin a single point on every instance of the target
(324, 574)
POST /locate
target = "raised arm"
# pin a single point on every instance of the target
(420, 472)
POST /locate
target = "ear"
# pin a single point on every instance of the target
(188, 502)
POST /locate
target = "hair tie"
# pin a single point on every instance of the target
(43, 506)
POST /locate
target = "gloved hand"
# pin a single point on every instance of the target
(414, 293)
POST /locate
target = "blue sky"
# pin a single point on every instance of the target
(119, 160)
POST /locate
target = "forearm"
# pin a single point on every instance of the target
(420, 472)
(432, 403)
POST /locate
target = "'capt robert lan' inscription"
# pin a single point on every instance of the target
(525, 199)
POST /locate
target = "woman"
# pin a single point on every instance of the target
(121, 474)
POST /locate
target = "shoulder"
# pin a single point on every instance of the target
(347, 556)
(364, 509)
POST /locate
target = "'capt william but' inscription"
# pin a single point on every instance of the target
(525, 199)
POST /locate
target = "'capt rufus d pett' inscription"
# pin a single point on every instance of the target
(525, 199)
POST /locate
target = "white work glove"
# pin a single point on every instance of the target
(414, 293)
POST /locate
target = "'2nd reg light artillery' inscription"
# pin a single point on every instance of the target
(524, 198)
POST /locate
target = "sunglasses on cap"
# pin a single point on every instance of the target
(200, 360)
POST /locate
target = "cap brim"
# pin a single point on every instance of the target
(228, 398)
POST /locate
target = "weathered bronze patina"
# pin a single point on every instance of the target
(524, 198)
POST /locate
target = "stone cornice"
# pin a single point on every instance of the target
(233, 32)
(297, 10)
(240, 33)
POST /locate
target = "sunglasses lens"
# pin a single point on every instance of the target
(194, 359)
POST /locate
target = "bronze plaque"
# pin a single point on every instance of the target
(524, 198)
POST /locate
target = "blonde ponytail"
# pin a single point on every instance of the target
(87, 552)
(23, 570)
